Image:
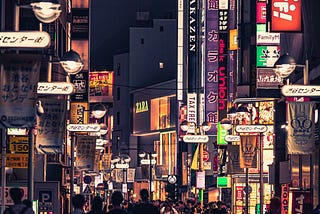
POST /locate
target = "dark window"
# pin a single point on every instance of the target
(161, 28)
(118, 69)
(142, 41)
(118, 118)
(118, 93)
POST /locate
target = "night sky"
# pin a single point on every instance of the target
(110, 23)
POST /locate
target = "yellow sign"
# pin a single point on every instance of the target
(19, 144)
(16, 160)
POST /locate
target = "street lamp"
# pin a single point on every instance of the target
(148, 158)
(71, 62)
(46, 11)
(122, 162)
(286, 64)
(196, 134)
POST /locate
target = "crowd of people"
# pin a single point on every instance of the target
(144, 205)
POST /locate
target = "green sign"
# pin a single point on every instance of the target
(223, 182)
(267, 55)
(221, 135)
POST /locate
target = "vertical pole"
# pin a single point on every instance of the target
(72, 169)
(30, 165)
(3, 132)
(247, 191)
(261, 175)
(150, 175)
(3, 167)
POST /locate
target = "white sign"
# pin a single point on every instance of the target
(147, 161)
(232, 138)
(7, 198)
(27, 39)
(172, 179)
(300, 90)
(17, 131)
(267, 38)
(122, 165)
(63, 88)
(195, 138)
(200, 179)
(83, 127)
(251, 128)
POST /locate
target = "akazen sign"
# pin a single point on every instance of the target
(142, 106)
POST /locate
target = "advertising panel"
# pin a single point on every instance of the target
(286, 16)
(211, 72)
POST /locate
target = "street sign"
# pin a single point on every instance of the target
(87, 190)
(122, 166)
(206, 156)
(147, 161)
(232, 138)
(251, 128)
(25, 39)
(300, 90)
(83, 127)
(195, 138)
(63, 88)
(172, 179)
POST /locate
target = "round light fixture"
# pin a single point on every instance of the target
(99, 110)
(71, 62)
(46, 11)
(284, 66)
(226, 124)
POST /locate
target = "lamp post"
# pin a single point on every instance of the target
(122, 162)
(148, 158)
(196, 134)
(238, 114)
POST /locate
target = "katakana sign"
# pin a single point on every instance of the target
(62, 88)
(300, 90)
(28, 39)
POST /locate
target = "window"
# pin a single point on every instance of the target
(118, 69)
(118, 118)
(142, 41)
(118, 93)
(160, 113)
(161, 28)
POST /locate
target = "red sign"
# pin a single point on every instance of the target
(261, 12)
(284, 198)
(286, 15)
(206, 156)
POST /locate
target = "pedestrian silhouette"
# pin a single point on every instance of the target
(16, 195)
(96, 206)
(116, 200)
(78, 202)
(145, 206)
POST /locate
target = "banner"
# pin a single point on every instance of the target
(18, 83)
(248, 151)
(86, 146)
(194, 163)
(51, 126)
(131, 175)
(234, 161)
(119, 175)
(301, 127)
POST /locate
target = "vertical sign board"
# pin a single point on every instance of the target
(211, 70)
(192, 44)
(47, 194)
(223, 73)
(81, 83)
(286, 16)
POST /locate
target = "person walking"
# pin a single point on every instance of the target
(96, 206)
(78, 202)
(16, 195)
(145, 206)
(116, 200)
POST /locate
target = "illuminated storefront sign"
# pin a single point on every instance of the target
(29, 39)
(142, 106)
(267, 55)
(286, 15)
